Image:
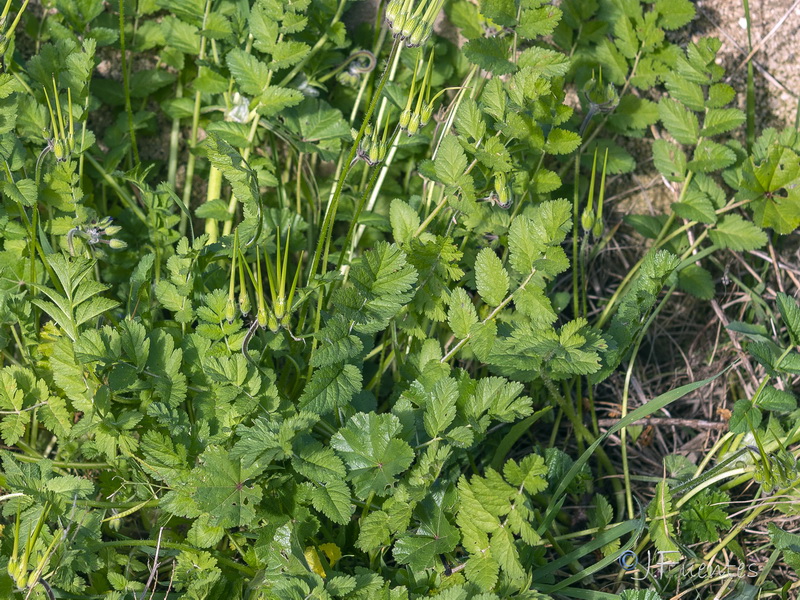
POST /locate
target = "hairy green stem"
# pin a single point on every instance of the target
(126, 82)
(190, 161)
(326, 232)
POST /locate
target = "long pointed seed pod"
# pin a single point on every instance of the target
(597, 230)
(290, 298)
(261, 312)
(587, 218)
(405, 116)
(71, 136)
(244, 296)
(415, 122)
(61, 129)
(230, 306)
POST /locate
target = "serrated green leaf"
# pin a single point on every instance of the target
(404, 219)
(670, 160)
(22, 191)
(337, 344)
(745, 417)
(491, 277)
(494, 155)
(562, 141)
(333, 501)
(286, 53)
(681, 123)
(626, 39)
(539, 20)
(735, 233)
(710, 156)
(697, 281)
(469, 120)
(221, 489)
(674, 13)
(331, 387)
(719, 95)
(790, 311)
(440, 409)
(689, 93)
(374, 455)
(250, 73)
(490, 54)
(462, 314)
(721, 120)
(696, 206)
(450, 162)
(662, 530)
(774, 399)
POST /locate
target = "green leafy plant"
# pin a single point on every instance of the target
(293, 309)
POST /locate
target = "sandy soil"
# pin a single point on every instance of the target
(775, 30)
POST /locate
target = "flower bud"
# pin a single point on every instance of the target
(413, 124)
(373, 157)
(244, 302)
(598, 228)
(113, 229)
(262, 317)
(425, 115)
(392, 10)
(397, 26)
(419, 35)
(500, 184)
(364, 145)
(117, 244)
(272, 323)
(587, 219)
(61, 150)
(409, 26)
(405, 118)
(230, 310)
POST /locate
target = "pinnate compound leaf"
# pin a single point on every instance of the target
(530, 238)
